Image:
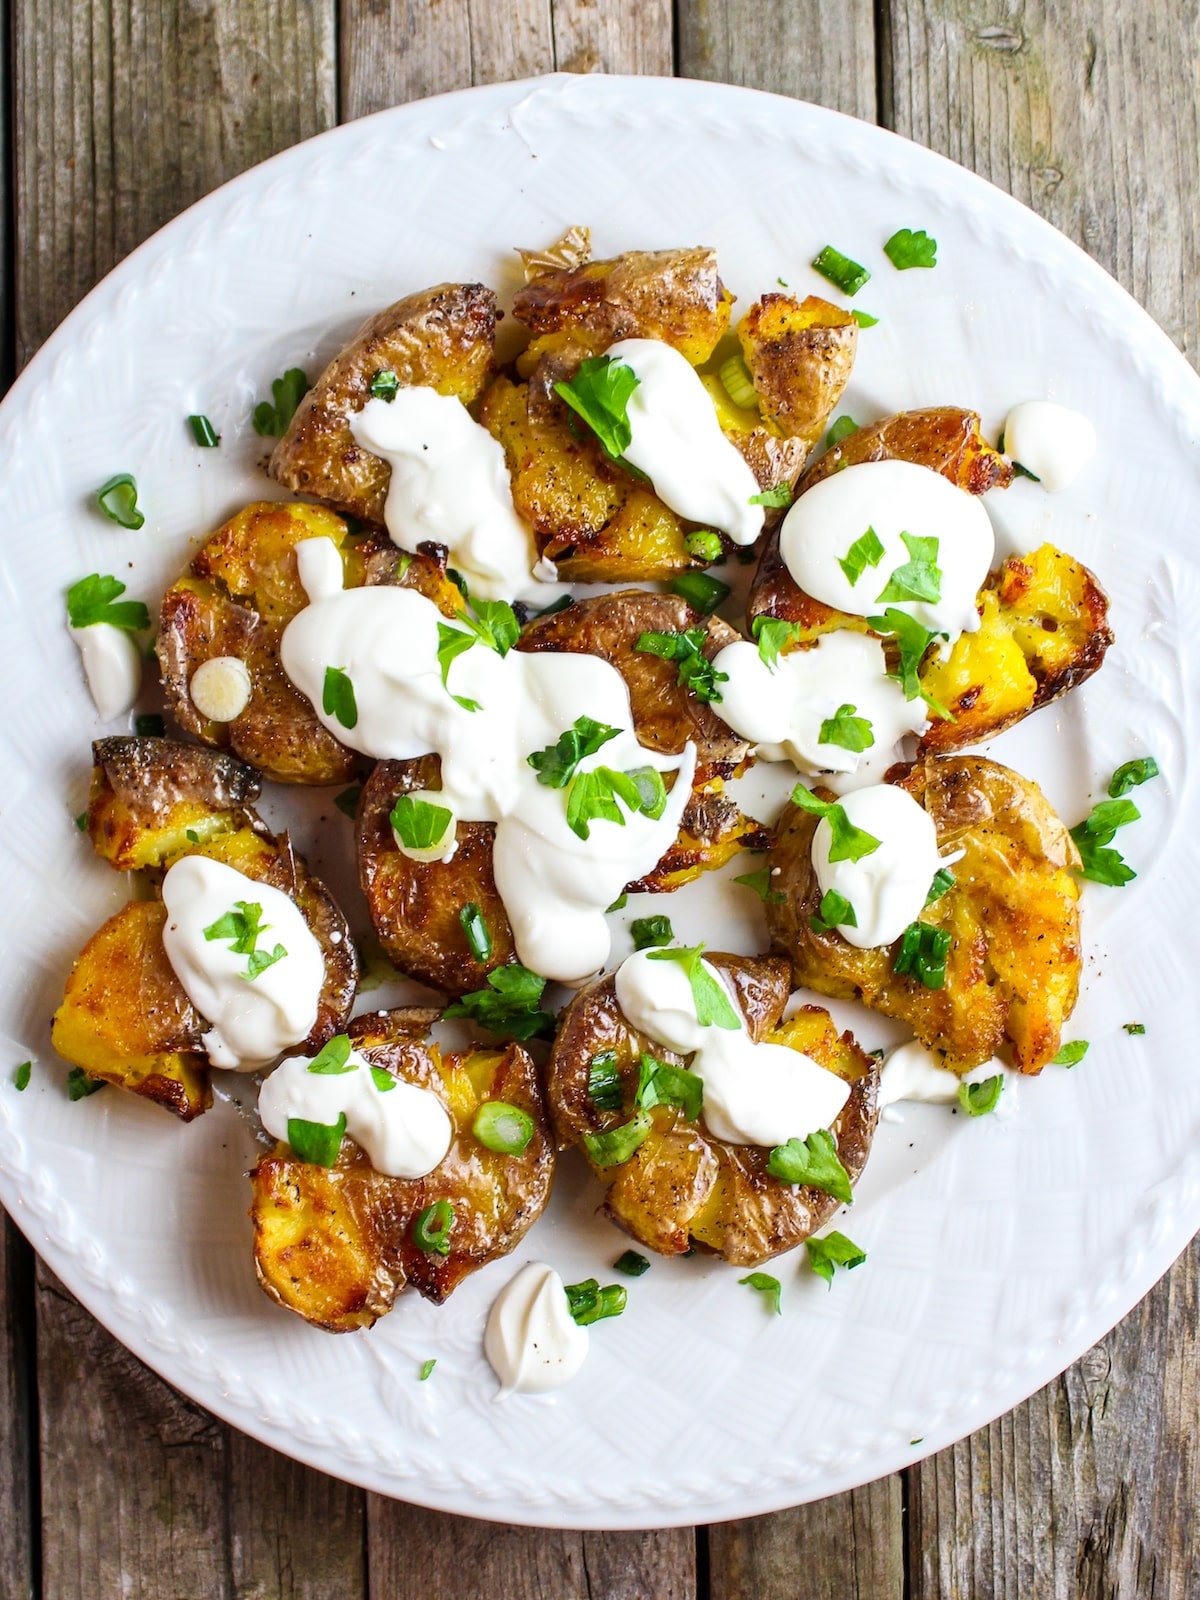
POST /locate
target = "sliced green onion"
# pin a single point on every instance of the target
(699, 590)
(205, 435)
(79, 1085)
(704, 545)
(432, 1228)
(23, 1073)
(590, 1303)
(501, 1127)
(118, 500)
(848, 275)
(604, 1081)
(737, 383)
(385, 385)
(616, 1145)
(631, 1264)
(476, 931)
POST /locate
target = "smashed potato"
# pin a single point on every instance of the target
(1013, 966)
(334, 1244)
(682, 1186)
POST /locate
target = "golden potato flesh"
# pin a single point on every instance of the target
(682, 1186)
(335, 1245)
(442, 338)
(149, 795)
(799, 354)
(1012, 969)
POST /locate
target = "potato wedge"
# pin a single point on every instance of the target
(683, 1186)
(799, 354)
(443, 339)
(1012, 972)
(240, 592)
(335, 1244)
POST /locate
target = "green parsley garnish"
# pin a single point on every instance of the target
(618, 904)
(650, 931)
(189, 834)
(599, 393)
(203, 432)
(258, 961)
(95, 599)
(1093, 838)
(23, 1073)
(334, 1059)
(337, 698)
(866, 551)
(604, 1081)
(385, 385)
(919, 578)
(686, 647)
(347, 801)
(700, 591)
(382, 1079)
(834, 912)
(271, 420)
(1130, 774)
(814, 1162)
(79, 1085)
(631, 1264)
(847, 843)
(770, 1288)
(847, 730)
(431, 1228)
(1071, 1054)
(590, 1303)
(759, 882)
(978, 1099)
(662, 1084)
(833, 1250)
(509, 1005)
(704, 544)
(614, 1146)
(419, 824)
(81, 821)
(848, 275)
(864, 319)
(475, 928)
(714, 1009)
(555, 765)
(593, 797)
(426, 1369)
(922, 954)
(149, 725)
(943, 882)
(241, 927)
(452, 642)
(912, 641)
(779, 495)
(1134, 1028)
(118, 500)
(772, 635)
(908, 249)
(318, 1143)
(505, 1128)
(840, 428)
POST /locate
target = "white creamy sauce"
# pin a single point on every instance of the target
(404, 1129)
(220, 688)
(781, 709)
(112, 665)
(762, 1094)
(450, 484)
(677, 442)
(1051, 441)
(893, 498)
(251, 1021)
(555, 885)
(531, 1339)
(887, 888)
(914, 1075)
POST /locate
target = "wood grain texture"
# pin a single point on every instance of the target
(18, 1444)
(614, 36)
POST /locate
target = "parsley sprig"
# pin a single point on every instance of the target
(847, 843)
(510, 1005)
(847, 730)
(813, 1162)
(911, 641)
(686, 648)
(773, 635)
(714, 1009)
(242, 927)
(556, 764)
(599, 394)
(918, 578)
(96, 599)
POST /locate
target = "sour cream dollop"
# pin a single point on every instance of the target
(555, 885)
(677, 442)
(781, 710)
(1051, 441)
(913, 1074)
(112, 665)
(887, 889)
(531, 1339)
(404, 1129)
(450, 484)
(761, 1094)
(251, 1020)
(890, 498)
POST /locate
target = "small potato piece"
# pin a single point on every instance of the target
(125, 1018)
(148, 794)
(443, 339)
(799, 354)
(335, 1244)
(1012, 972)
(682, 1185)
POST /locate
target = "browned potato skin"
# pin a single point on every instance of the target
(683, 1185)
(335, 1245)
(1012, 973)
(239, 594)
(148, 794)
(442, 338)
(799, 354)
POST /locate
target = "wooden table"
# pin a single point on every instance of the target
(120, 113)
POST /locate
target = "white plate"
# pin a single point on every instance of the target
(999, 1249)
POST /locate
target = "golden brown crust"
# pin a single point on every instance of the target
(1012, 972)
(442, 338)
(682, 1185)
(799, 354)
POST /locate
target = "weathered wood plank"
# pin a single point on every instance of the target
(125, 112)
(614, 36)
(18, 1445)
(1088, 113)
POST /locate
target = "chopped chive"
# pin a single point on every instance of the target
(699, 590)
(432, 1228)
(476, 930)
(118, 500)
(848, 275)
(503, 1128)
(203, 432)
(631, 1264)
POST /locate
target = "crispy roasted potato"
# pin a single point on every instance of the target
(1012, 972)
(334, 1244)
(125, 1016)
(683, 1186)
(443, 339)
(239, 594)
(415, 905)
(799, 354)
